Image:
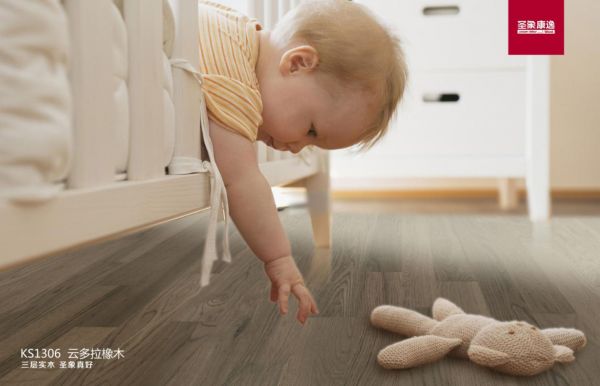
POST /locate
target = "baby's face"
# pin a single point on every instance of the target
(299, 111)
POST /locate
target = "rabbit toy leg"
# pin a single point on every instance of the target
(570, 337)
(416, 351)
(401, 320)
(442, 308)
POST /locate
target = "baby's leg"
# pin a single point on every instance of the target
(402, 320)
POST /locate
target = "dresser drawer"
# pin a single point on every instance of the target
(447, 34)
(480, 114)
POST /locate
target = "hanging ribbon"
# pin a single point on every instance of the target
(218, 194)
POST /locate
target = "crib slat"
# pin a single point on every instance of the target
(270, 13)
(284, 7)
(261, 152)
(90, 74)
(186, 90)
(255, 9)
(144, 29)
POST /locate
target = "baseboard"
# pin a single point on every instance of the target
(456, 193)
(576, 193)
(413, 193)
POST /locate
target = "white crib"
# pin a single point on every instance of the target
(135, 118)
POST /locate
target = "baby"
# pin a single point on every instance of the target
(328, 75)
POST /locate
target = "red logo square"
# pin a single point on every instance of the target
(536, 27)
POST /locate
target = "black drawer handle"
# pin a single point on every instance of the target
(441, 10)
(441, 97)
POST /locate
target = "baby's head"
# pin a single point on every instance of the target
(330, 75)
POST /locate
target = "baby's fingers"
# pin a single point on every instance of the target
(273, 293)
(306, 302)
(284, 294)
(312, 304)
(313, 307)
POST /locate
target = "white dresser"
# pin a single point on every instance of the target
(470, 109)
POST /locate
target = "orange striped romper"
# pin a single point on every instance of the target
(229, 44)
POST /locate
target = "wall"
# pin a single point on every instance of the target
(575, 100)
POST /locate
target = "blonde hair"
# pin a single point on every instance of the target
(353, 47)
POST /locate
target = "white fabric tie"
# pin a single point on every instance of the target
(218, 194)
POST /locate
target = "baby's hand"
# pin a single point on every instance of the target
(285, 276)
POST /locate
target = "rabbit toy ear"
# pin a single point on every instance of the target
(486, 356)
(563, 354)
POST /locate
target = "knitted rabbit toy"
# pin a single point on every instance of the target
(514, 347)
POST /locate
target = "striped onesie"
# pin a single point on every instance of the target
(229, 43)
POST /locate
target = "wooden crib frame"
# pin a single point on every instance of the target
(95, 205)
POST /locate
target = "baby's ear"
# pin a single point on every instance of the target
(486, 356)
(301, 58)
(563, 354)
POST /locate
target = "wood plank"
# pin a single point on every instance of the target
(448, 254)
(43, 326)
(229, 332)
(536, 290)
(76, 338)
(417, 262)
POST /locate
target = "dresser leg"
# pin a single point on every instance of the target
(507, 193)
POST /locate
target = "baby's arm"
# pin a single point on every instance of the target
(251, 202)
(253, 211)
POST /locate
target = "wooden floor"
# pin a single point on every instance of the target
(140, 294)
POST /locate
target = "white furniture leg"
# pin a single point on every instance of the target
(318, 194)
(538, 137)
